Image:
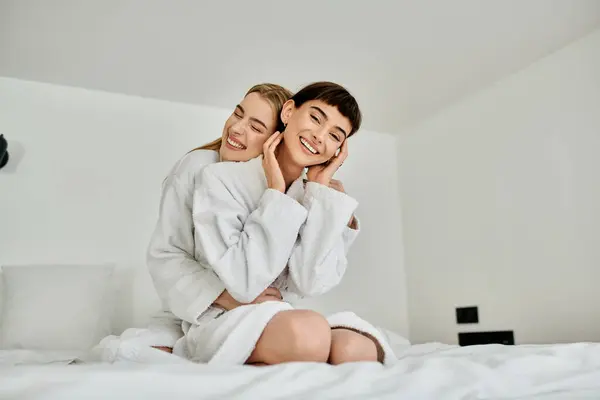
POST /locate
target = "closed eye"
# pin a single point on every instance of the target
(238, 111)
(256, 129)
(314, 118)
(335, 136)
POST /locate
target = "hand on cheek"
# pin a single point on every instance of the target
(323, 173)
(271, 167)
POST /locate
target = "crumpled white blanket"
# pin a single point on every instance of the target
(431, 371)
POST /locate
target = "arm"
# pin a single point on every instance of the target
(228, 303)
(185, 287)
(318, 261)
(247, 252)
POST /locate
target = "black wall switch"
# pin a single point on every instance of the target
(467, 315)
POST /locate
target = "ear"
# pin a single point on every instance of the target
(287, 110)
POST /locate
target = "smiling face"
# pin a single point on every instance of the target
(247, 129)
(314, 132)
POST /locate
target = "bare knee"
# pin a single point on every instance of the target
(294, 335)
(350, 346)
(310, 335)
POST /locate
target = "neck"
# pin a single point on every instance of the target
(289, 169)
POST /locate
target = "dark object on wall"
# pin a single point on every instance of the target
(3, 151)
(475, 338)
(467, 315)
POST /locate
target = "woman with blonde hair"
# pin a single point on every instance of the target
(183, 285)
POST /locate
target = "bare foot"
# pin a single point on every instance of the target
(165, 349)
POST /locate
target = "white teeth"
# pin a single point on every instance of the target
(234, 144)
(308, 146)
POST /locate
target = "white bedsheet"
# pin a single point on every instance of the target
(36, 357)
(430, 371)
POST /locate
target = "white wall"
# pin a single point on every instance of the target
(501, 205)
(87, 189)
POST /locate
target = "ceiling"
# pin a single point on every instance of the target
(404, 60)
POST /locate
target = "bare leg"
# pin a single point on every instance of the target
(351, 346)
(293, 335)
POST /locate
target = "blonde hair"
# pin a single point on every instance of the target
(275, 95)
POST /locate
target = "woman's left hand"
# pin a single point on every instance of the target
(323, 173)
(337, 185)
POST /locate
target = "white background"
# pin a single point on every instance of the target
(501, 205)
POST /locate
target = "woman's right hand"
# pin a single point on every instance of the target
(270, 294)
(271, 165)
(228, 303)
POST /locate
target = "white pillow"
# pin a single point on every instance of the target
(55, 307)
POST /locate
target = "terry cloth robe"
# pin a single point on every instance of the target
(248, 233)
(254, 237)
(185, 286)
(178, 278)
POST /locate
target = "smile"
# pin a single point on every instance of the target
(234, 143)
(308, 146)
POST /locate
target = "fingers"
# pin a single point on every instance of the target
(263, 298)
(338, 160)
(271, 291)
(275, 143)
(344, 148)
(269, 294)
(337, 185)
(272, 142)
(269, 151)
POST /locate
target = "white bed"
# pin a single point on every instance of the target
(432, 371)
(60, 308)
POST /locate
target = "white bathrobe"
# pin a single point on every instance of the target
(185, 286)
(178, 278)
(248, 233)
(180, 255)
(254, 237)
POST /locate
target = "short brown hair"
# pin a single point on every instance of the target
(335, 96)
(275, 95)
